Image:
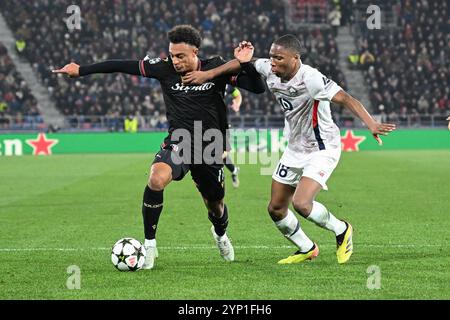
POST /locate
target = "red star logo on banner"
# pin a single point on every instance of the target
(42, 145)
(350, 142)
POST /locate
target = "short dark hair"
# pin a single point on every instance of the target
(185, 33)
(290, 42)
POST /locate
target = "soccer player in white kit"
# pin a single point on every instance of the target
(314, 144)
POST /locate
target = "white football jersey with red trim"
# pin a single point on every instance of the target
(305, 102)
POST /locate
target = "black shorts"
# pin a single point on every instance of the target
(209, 178)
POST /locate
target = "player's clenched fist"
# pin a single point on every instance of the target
(71, 69)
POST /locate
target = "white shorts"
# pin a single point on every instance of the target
(317, 165)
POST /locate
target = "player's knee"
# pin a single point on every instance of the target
(213, 196)
(276, 211)
(215, 207)
(302, 206)
(157, 182)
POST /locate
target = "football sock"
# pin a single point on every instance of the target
(220, 224)
(340, 237)
(151, 210)
(150, 243)
(290, 228)
(229, 164)
(325, 219)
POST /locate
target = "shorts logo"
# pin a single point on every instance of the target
(322, 173)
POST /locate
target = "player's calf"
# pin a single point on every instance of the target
(152, 206)
(290, 227)
(218, 217)
(325, 219)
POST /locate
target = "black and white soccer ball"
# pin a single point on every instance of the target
(128, 254)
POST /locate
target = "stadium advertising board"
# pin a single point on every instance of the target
(252, 140)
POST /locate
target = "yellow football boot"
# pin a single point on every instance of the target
(345, 248)
(299, 257)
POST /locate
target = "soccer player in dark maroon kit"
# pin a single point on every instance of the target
(186, 107)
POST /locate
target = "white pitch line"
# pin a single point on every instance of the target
(214, 247)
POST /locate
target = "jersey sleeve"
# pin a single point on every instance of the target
(154, 67)
(320, 87)
(230, 79)
(263, 67)
(248, 78)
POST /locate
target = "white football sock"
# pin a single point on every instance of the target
(325, 219)
(290, 228)
(150, 243)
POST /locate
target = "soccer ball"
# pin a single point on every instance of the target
(128, 254)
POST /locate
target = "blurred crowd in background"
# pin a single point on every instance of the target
(407, 69)
(15, 96)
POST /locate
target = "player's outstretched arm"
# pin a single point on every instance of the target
(243, 53)
(200, 77)
(74, 70)
(356, 107)
(248, 77)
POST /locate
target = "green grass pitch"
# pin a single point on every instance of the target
(68, 210)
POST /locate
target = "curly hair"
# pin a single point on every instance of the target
(185, 33)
